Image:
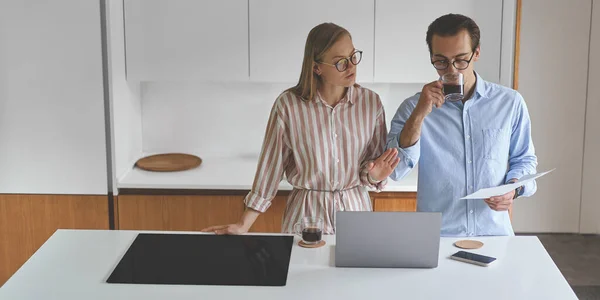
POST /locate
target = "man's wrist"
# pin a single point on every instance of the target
(518, 192)
(515, 192)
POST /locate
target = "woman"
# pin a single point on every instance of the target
(327, 134)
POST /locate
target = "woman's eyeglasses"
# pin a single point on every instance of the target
(342, 64)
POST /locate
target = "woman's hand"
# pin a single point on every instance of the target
(227, 229)
(242, 226)
(384, 165)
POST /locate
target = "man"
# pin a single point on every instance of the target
(463, 146)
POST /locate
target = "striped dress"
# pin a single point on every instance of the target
(322, 152)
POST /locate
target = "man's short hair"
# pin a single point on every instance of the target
(452, 24)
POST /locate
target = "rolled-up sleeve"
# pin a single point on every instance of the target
(375, 148)
(522, 159)
(409, 156)
(274, 157)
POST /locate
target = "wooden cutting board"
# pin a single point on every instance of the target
(168, 162)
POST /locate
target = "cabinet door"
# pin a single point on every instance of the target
(401, 52)
(52, 122)
(278, 31)
(186, 40)
(181, 213)
(27, 221)
(394, 201)
(270, 221)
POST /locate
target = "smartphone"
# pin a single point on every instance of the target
(472, 258)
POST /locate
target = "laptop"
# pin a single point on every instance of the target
(387, 239)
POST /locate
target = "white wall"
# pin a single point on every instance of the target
(206, 119)
(507, 54)
(223, 120)
(590, 199)
(553, 81)
(126, 110)
(52, 129)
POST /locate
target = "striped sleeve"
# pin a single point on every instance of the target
(375, 147)
(274, 157)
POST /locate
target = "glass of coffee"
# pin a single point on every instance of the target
(454, 86)
(310, 230)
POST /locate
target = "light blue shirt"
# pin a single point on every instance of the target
(466, 147)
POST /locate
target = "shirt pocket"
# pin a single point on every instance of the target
(495, 143)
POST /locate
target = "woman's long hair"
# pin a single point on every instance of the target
(319, 40)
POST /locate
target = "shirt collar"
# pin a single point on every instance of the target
(350, 94)
(480, 86)
(349, 97)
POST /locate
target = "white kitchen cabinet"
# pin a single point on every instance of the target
(278, 31)
(186, 40)
(52, 122)
(401, 52)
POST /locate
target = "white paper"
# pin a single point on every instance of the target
(503, 189)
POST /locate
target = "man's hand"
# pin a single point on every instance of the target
(431, 95)
(501, 203)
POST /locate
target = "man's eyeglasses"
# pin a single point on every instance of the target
(459, 64)
(342, 64)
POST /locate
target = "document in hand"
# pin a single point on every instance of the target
(503, 189)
